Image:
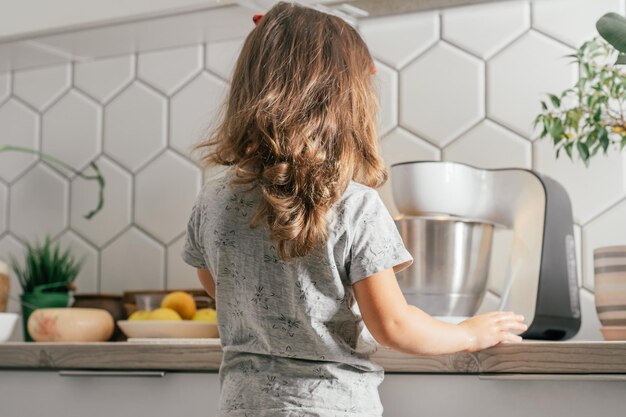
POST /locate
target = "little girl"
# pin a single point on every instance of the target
(294, 243)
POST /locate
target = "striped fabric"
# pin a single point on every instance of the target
(610, 284)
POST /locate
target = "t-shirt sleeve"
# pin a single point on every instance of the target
(376, 244)
(193, 251)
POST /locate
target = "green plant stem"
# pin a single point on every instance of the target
(97, 177)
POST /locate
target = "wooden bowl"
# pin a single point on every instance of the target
(70, 325)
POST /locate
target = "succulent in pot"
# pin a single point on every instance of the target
(46, 277)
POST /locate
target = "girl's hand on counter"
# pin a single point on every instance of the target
(489, 329)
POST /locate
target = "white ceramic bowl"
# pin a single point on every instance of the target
(168, 329)
(7, 324)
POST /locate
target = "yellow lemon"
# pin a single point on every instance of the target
(140, 315)
(164, 314)
(180, 302)
(205, 314)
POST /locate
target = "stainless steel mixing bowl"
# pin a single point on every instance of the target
(451, 264)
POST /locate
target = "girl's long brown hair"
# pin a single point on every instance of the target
(299, 122)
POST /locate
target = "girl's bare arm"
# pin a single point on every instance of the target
(206, 279)
(400, 326)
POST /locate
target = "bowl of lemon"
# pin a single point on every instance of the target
(177, 317)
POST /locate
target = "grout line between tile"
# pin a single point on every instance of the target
(463, 133)
(23, 173)
(117, 92)
(440, 18)
(165, 272)
(601, 213)
(132, 198)
(145, 164)
(11, 83)
(418, 56)
(25, 103)
(7, 215)
(484, 80)
(507, 45)
(553, 38)
(504, 126)
(99, 271)
(116, 236)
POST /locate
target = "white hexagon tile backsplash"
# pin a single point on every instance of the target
(580, 23)
(463, 84)
(40, 87)
(496, 25)
(20, 127)
(115, 216)
(135, 126)
(520, 75)
(168, 70)
(442, 93)
(77, 142)
(104, 78)
(5, 86)
(220, 57)
(397, 40)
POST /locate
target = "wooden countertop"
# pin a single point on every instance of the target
(527, 357)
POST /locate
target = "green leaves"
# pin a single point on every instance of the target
(583, 150)
(556, 102)
(612, 27)
(595, 120)
(45, 264)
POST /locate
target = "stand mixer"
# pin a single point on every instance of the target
(449, 211)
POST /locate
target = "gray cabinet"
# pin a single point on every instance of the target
(155, 394)
(444, 395)
(98, 394)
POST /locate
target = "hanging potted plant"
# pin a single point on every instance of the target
(97, 176)
(46, 278)
(48, 274)
(591, 115)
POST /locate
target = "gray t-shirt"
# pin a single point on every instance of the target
(293, 338)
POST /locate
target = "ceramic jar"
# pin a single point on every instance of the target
(610, 290)
(70, 325)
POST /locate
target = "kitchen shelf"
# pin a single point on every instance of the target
(525, 358)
